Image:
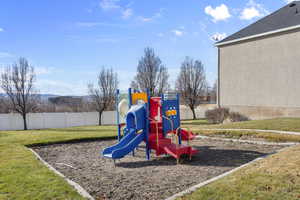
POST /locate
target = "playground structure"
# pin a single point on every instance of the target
(150, 120)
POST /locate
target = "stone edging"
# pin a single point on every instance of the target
(77, 187)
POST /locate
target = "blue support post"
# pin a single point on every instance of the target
(147, 126)
(178, 115)
(129, 98)
(118, 115)
(130, 104)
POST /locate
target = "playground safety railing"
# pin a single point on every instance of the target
(188, 140)
(176, 135)
(171, 122)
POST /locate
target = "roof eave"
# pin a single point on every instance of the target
(257, 36)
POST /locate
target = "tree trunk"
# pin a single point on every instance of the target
(194, 113)
(24, 121)
(100, 118)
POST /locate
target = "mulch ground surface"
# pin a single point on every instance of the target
(137, 178)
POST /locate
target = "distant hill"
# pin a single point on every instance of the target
(45, 97)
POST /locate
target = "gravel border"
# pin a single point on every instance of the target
(75, 185)
(209, 167)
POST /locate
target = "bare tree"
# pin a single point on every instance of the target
(4, 105)
(18, 81)
(191, 83)
(103, 95)
(151, 74)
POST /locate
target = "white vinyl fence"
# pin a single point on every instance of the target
(64, 120)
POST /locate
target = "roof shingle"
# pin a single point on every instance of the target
(285, 17)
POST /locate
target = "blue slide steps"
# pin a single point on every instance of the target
(125, 146)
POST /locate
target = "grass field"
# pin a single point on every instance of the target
(22, 176)
(202, 127)
(283, 124)
(268, 136)
(274, 178)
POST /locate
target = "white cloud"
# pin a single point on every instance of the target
(160, 35)
(178, 33)
(253, 10)
(43, 70)
(153, 17)
(47, 86)
(1, 29)
(218, 36)
(109, 4)
(250, 13)
(127, 13)
(158, 14)
(89, 10)
(219, 13)
(145, 19)
(5, 55)
(288, 1)
(203, 27)
(125, 77)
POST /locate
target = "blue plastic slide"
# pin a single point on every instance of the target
(125, 146)
(135, 123)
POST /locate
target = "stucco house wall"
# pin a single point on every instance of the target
(261, 77)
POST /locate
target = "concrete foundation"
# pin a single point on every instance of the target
(263, 112)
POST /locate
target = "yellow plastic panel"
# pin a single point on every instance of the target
(139, 96)
(171, 113)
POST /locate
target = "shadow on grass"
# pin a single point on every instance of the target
(71, 141)
(84, 130)
(207, 156)
(196, 122)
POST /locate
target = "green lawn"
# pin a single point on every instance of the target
(274, 178)
(235, 134)
(284, 124)
(201, 122)
(202, 127)
(22, 176)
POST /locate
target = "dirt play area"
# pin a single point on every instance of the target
(137, 178)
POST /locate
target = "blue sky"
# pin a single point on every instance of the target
(68, 41)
